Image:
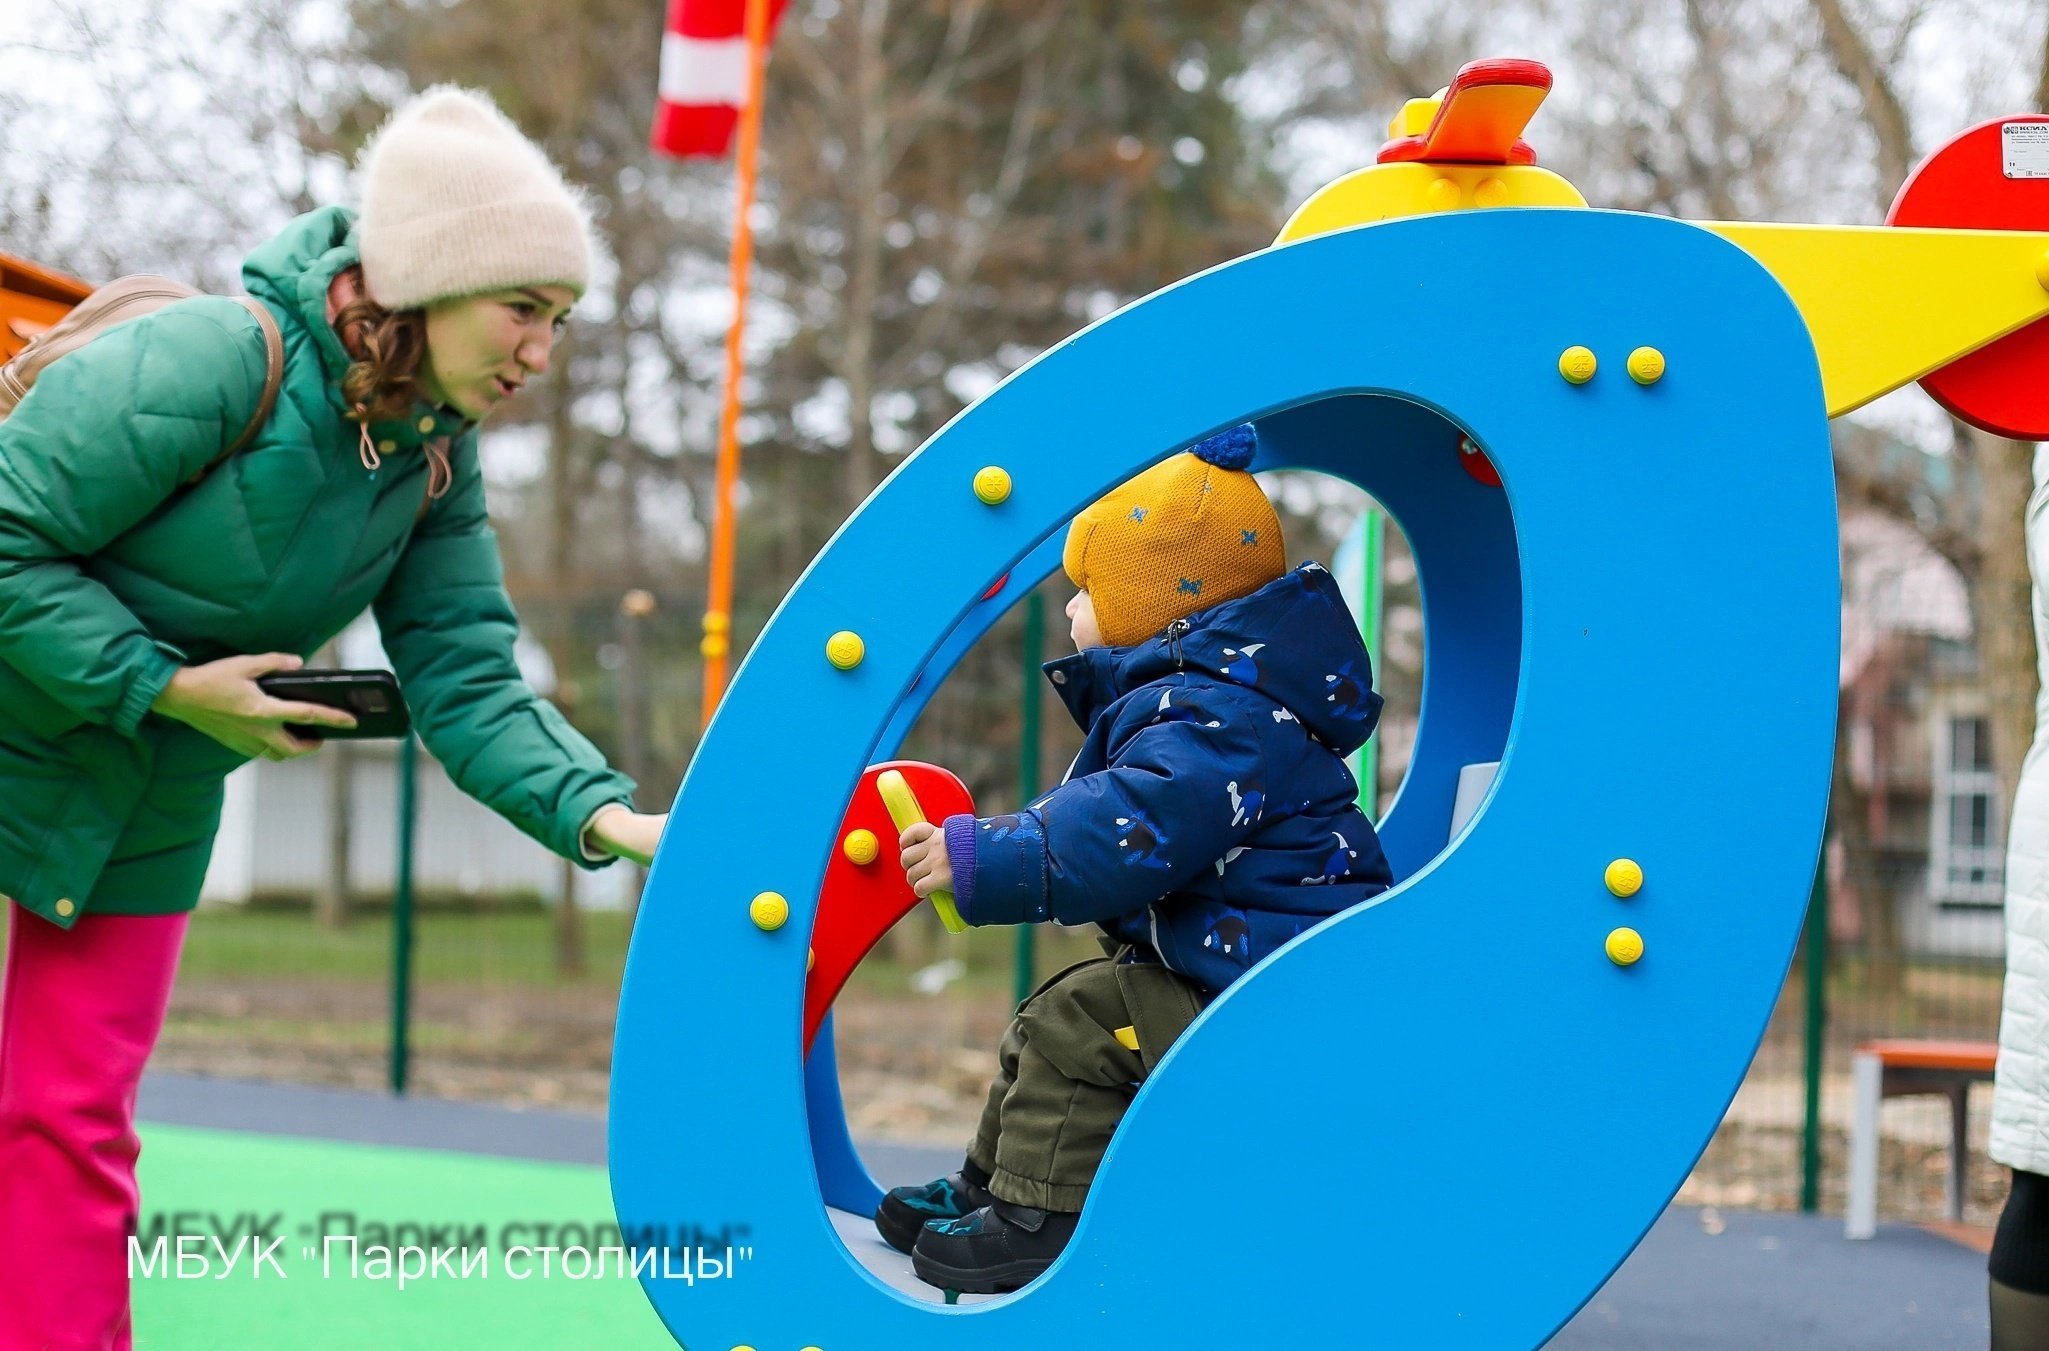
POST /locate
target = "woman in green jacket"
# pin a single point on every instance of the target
(137, 609)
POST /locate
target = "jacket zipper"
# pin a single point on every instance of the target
(1176, 631)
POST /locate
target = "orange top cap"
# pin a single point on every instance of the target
(1481, 118)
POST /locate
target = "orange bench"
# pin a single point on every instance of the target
(1897, 1068)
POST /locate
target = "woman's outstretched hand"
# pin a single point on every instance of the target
(223, 700)
(627, 834)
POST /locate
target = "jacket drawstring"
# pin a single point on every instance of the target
(439, 474)
(365, 451)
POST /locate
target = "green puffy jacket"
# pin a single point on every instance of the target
(113, 575)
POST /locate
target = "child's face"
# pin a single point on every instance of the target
(1081, 616)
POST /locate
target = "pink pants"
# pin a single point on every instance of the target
(79, 1012)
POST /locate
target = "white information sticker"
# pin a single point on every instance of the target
(2025, 149)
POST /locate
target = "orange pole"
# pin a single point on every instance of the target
(718, 611)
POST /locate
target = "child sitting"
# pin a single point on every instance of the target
(1208, 819)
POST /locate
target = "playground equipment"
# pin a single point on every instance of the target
(1495, 1075)
(32, 298)
(865, 891)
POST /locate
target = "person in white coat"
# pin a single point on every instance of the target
(2019, 1265)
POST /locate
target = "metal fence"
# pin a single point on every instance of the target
(503, 992)
(498, 1011)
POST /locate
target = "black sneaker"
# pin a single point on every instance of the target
(997, 1248)
(906, 1210)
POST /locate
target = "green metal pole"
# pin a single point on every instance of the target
(1028, 760)
(1366, 764)
(1817, 1025)
(402, 917)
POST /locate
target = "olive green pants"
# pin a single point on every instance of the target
(1064, 1077)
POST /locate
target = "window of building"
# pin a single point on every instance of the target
(1967, 837)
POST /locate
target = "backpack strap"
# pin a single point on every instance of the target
(273, 369)
(273, 380)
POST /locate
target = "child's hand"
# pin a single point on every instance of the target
(926, 865)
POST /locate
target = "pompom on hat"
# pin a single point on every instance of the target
(456, 201)
(1193, 531)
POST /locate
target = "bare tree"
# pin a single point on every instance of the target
(167, 138)
(862, 95)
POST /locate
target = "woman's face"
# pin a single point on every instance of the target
(481, 349)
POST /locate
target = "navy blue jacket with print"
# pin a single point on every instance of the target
(1210, 816)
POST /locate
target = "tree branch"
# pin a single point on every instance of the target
(1883, 112)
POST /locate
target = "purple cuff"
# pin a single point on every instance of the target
(960, 856)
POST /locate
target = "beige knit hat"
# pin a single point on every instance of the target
(457, 201)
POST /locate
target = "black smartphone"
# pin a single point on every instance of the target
(372, 696)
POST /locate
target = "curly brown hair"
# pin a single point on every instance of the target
(388, 346)
(383, 381)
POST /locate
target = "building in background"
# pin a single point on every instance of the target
(1918, 752)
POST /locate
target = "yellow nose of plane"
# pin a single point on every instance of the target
(1459, 149)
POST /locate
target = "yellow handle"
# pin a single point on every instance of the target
(905, 811)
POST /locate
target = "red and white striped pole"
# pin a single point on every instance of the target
(711, 81)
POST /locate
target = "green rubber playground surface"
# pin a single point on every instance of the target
(207, 1183)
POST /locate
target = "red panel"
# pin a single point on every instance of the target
(859, 902)
(1412, 150)
(2002, 387)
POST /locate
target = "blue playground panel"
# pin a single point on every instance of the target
(1642, 625)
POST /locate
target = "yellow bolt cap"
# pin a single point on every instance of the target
(1441, 195)
(1646, 365)
(1625, 946)
(2042, 272)
(810, 958)
(769, 910)
(65, 907)
(1490, 192)
(717, 621)
(1577, 364)
(992, 484)
(845, 650)
(713, 645)
(861, 846)
(1624, 877)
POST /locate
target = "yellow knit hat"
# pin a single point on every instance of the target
(1192, 531)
